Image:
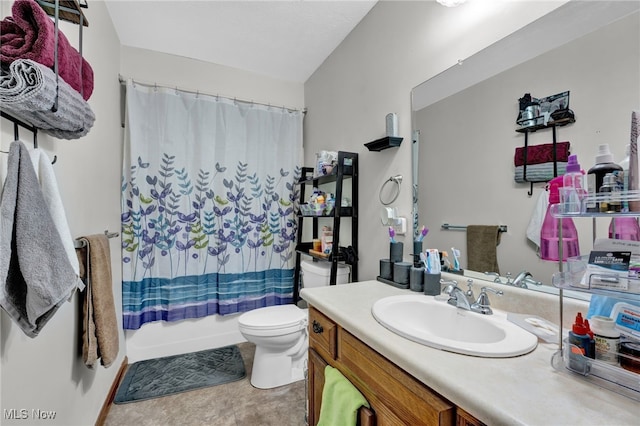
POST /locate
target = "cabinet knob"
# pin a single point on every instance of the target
(317, 328)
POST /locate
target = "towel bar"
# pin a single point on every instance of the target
(446, 226)
(81, 243)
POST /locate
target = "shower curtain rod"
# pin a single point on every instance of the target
(123, 81)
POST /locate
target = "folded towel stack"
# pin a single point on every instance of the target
(539, 162)
(29, 92)
(30, 34)
(539, 172)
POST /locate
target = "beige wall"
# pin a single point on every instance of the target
(47, 372)
(396, 47)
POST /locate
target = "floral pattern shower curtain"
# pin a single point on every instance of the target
(208, 190)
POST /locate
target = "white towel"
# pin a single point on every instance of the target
(537, 217)
(48, 184)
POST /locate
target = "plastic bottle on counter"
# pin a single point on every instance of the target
(573, 186)
(595, 175)
(579, 340)
(611, 201)
(607, 339)
(549, 236)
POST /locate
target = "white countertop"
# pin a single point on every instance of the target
(498, 391)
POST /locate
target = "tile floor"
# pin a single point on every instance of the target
(233, 404)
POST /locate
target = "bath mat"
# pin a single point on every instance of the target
(169, 375)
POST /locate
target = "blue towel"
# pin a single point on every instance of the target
(340, 400)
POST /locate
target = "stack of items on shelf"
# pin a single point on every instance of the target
(326, 161)
(539, 163)
(30, 88)
(611, 340)
(319, 204)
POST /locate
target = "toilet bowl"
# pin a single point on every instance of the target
(281, 339)
(280, 333)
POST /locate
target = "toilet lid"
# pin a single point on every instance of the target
(273, 317)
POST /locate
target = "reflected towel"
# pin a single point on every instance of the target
(538, 154)
(340, 400)
(539, 172)
(28, 92)
(100, 326)
(35, 272)
(29, 34)
(482, 242)
(537, 217)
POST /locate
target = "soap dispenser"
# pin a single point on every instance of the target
(549, 235)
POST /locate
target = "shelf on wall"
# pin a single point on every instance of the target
(535, 127)
(384, 143)
(68, 10)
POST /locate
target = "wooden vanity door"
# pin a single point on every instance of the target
(316, 384)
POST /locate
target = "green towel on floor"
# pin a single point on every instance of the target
(340, 400)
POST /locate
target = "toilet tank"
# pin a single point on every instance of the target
(318, 274)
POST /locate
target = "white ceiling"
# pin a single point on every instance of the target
(283, 39)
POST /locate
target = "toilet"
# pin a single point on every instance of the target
(280, 332)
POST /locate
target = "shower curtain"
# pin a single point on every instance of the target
(208, 189)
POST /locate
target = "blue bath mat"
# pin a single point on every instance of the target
(169, 375)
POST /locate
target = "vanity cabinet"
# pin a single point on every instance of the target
(345, 170)
(396, 397)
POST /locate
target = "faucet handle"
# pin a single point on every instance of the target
(469, 292)
(529, 280)
(483, 305)
(508, 275)
(496, 275)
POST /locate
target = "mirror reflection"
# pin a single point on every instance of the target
(468, 141)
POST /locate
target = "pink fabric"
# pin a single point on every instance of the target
(29, 34)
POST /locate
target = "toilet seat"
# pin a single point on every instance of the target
(280, 319)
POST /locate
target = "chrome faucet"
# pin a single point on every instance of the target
(457, 296)
(461, 299)
(523, 279)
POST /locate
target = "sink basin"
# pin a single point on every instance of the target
(437, 324)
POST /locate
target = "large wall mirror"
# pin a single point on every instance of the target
(465, 121)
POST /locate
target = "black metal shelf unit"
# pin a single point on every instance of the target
(346, 170)
(530, 129)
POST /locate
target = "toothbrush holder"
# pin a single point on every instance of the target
(396, 251)
(417, 249)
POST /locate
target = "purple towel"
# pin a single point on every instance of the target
(29, 34)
